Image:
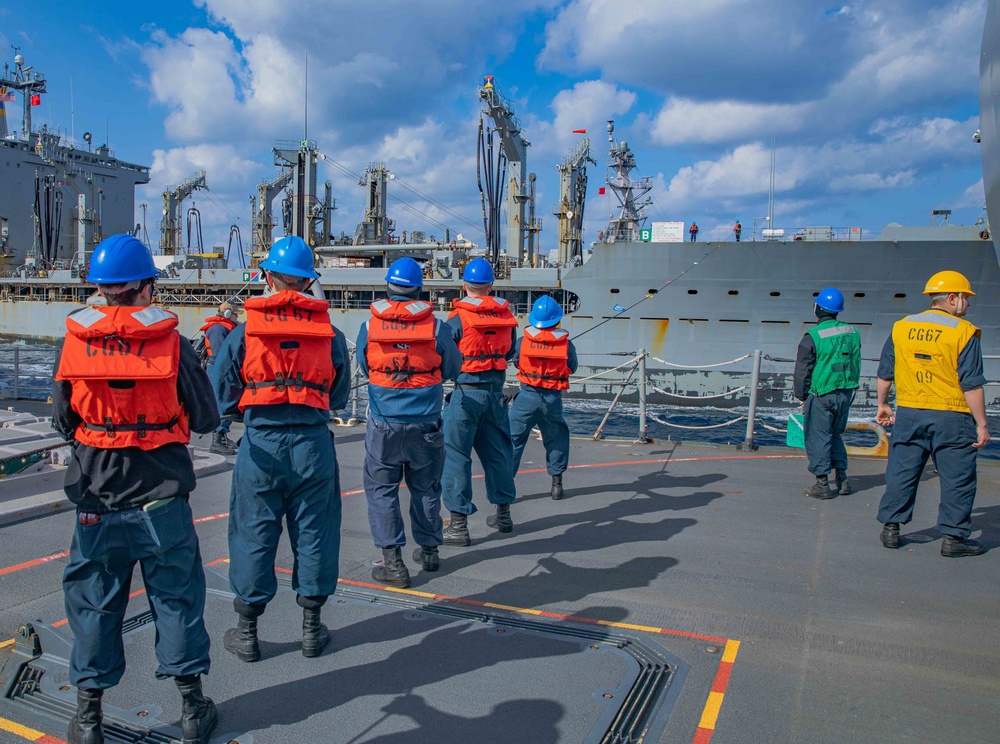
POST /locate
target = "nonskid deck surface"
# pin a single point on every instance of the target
(768, 616)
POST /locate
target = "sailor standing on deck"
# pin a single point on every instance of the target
(545, 358)
(936, 361)
(285, 369)
(215, 330)
(406, 353)
(475, 417)
(129, 390)
(827, 372)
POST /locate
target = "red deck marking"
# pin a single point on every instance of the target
(211, 518)
(35, 562)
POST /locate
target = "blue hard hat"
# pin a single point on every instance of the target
(121, 259)
(478, 271)
(831, 300)
(291, 256)
(405, 272)
(545, 313)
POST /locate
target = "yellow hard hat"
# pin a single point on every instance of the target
(946, 282)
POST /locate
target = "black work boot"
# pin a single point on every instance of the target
(427, 557)
(890, 536)
(198, 713)
(843, 485)
(315, 635)
(242, 640)
(820, 489)
(501, 521)
(457, 532)
(85, 726)
(222, 444)
(393, 571)
(557, 489)
(958, 547)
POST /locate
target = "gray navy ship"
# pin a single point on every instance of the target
(687, 304)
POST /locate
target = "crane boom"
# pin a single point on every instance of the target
(170, 223)
(514, 148)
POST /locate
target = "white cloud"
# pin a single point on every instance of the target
(683, 120)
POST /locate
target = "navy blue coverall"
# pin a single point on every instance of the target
(542, 407)
(404, 439)
(286, 469)
(476, 418)
(216, 335)
(113, 533)
(947, 436)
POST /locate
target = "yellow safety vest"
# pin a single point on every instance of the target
(927, 348)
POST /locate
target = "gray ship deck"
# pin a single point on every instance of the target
(696, 582)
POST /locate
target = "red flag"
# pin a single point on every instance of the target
(36, 100)
(601, 190)
(579, 131)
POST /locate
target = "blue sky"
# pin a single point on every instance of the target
(872, 104)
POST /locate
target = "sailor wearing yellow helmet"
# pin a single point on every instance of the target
(936, 361)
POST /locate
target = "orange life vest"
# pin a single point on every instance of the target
(402, 345)
(542, 361)
(486, 338)
(210, 321)
(122, 363)
(288, 346)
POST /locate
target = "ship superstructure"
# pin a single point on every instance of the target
(57, 200)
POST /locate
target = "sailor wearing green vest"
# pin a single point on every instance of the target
(827, 369)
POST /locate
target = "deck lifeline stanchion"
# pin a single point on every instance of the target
(752, 412)
(17, 373)
(643, 430)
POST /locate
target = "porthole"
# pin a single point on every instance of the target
(692, 291)
(775, 294)
(615, 290)
(900, 295)
(733, 292)
(815, 294)
(652, 291)
(859, 294)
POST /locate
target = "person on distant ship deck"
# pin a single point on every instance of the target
(693, 230)
(737, 230)
(827, 372)
(936, 361)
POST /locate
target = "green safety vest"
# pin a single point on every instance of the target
(838, 357)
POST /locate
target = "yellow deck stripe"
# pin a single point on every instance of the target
(711, 712)
(10, 642)
(22, 731)
(732, 648)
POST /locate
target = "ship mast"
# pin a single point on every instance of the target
(29, 83)
(624, 226)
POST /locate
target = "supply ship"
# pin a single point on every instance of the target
(692, 305)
